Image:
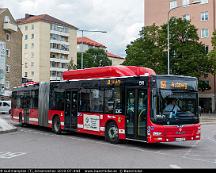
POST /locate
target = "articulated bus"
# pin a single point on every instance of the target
(119, 103)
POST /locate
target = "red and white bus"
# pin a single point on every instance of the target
(120, 103)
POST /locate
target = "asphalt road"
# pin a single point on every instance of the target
(32, 147)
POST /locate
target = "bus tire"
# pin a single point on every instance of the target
(112, 133)
(56, 125)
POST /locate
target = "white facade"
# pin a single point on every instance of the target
(2, 66)
(47, 50)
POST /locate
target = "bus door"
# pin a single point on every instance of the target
(26, 107)
(71, 109)
(136, 113)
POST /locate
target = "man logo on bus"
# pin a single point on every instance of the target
(163, 84)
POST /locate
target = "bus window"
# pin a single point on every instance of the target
(85, 100)
(96, 100)
(109, 101)
(34, 98)
(57, 100)
(117, 101)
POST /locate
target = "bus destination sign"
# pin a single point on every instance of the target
(177, 84)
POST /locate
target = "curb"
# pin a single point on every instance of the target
(208, 122)
(8, 131)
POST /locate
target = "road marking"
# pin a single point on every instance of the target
(9, 155)
(185, 156)
(175, 166)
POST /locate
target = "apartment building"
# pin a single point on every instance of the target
(85, 43)
(203, 16)
(49, 44)
(10, 52)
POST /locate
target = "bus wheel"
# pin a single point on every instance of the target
(56, 125)
(112, 133)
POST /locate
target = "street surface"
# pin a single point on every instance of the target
(32, 147)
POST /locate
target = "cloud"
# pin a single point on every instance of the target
(122, 19)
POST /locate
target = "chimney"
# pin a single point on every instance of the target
(28, 15)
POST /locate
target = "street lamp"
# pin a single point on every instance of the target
(83, 30)
(168, 32)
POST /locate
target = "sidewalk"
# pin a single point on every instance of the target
(6, 127)
(207, 118)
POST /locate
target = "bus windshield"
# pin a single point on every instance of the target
(173, 107)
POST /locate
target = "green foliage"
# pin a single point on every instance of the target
(187, 54)
(146, 50)
(212, 55)
(72, 66)
(93, 57)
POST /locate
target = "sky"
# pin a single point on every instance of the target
(121, 19)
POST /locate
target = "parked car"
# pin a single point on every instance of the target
(5, 107)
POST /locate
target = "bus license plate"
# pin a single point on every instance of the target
(180, 139)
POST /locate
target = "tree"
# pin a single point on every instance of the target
(93, 57)
(212, 55)
(187, 54)
(72, 66)
(146, 50)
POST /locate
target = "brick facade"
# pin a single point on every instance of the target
(14, 45)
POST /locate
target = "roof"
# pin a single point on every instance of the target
(90, 42)
(2, 10)
(109, 54)
(107, 72)
(44, 18)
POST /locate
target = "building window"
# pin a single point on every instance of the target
(26, 65)
(32, 73)
(204, 16)
(32, 26)
(6, 19)
(8, 36)
(26, 28)
(26, 46)
(7, 68)
(32, 54)
(173, 4)
(32, 36)
(26, 37)
(32, 64)
(186, 17)
(204, 33)
(204, 1)
(7, 85)
(8, 52)
(32, 45)
(26, 74)
(185, 2)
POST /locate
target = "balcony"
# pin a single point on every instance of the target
(59, 42)
(54, 78)
(59, 51)
(10, 27)
(58, 69)
(60, 60)
(60, 33)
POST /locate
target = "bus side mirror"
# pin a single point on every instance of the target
(199, 110)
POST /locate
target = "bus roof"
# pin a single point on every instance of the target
(107, 72)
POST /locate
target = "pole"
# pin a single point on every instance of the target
(82, 51)
(168, 33)
(168, 44)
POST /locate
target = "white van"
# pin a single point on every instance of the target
(5, 107)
